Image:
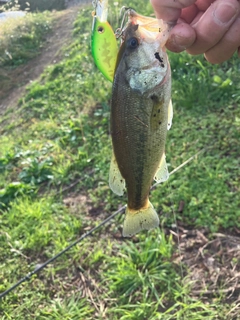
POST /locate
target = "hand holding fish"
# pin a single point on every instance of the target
(202, 26)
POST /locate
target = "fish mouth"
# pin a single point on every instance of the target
(150, 28)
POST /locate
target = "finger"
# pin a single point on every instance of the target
(189, 13)
(197, 18)
(213, 25)
(170, 11)
(204, 4)
(181, 37)
(224, 49)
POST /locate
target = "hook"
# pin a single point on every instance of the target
(119, 30)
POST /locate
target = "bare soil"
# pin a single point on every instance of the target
(16, 80)
(212, 262)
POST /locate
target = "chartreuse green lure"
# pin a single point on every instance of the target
(104, 42)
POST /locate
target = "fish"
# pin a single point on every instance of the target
(104, 44)
(141, 115)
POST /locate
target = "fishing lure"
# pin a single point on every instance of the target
(104, 43)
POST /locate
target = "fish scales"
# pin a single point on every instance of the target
(139, 119)
(138, 138)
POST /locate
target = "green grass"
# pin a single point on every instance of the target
(58, 135)
(35, 5)
(21, 39)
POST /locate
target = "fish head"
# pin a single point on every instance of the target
(142, 56)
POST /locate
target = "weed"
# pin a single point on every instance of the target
(12, 191)
(42, 222)
(22, 38)
(36, 171)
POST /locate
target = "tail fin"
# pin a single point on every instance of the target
(142, 219)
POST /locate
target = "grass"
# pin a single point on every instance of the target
(36, 6)
(59, 135)
(21, 39)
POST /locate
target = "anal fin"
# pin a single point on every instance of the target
(116, 181)
(162, 170)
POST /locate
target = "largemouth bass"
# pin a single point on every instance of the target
(141, 114)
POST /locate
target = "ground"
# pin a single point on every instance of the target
(51, 53)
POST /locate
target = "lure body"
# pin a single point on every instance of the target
(103, 42)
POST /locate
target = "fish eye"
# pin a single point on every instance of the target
(132, 43)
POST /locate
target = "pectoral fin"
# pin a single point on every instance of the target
(170, 114)
(116, 181)
(162, 170)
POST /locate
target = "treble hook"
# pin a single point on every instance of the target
(119, 30)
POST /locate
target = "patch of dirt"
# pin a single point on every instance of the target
(20, 77)
(212, 262)
(71, 3)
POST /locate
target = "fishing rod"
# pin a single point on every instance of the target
(40, 267)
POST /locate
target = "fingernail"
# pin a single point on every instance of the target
(176, 43)
(182, 42)
(224, 12)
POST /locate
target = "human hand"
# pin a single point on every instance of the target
(211, 27)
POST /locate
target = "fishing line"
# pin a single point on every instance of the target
(85, 235)
(172, 203)
(42, 266)
(180, 166)
(123, 13)
(169, 186)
